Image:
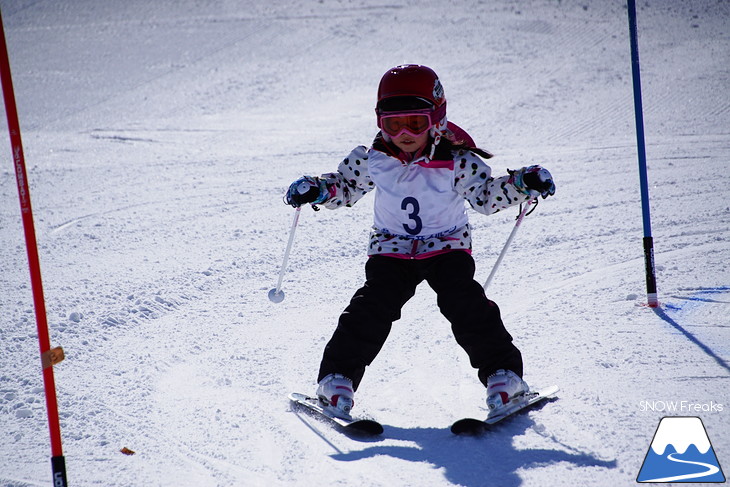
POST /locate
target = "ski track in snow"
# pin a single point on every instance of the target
(159, 139)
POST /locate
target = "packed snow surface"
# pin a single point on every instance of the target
(159, 139)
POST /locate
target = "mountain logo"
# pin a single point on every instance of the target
(681, 452)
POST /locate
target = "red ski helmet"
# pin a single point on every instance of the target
(410, 81)
(410, 87)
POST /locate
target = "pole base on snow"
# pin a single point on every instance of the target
(58, 464)
(651, 292)
(276, 295)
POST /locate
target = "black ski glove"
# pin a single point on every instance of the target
(534, 178)
(306, 189)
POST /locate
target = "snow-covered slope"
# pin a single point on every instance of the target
(160, 137)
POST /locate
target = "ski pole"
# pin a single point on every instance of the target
(276, 295)
(507, 244)
(49, 356)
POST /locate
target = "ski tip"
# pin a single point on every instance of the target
(469, 427)
(367, 427)
(549, 391)
(351, 426)
(296, 396)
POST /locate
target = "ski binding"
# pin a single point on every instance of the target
(472, 426)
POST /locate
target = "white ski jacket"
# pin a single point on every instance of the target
(419, 206)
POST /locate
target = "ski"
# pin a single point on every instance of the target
(472, 426)
(351, 425)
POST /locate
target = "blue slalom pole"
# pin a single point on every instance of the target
(651, 291)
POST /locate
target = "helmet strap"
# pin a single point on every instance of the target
(436, 140)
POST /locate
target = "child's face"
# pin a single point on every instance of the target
(411, 143)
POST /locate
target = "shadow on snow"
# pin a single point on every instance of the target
(490, 459)
(698, 297)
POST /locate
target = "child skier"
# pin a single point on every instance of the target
(422, 168)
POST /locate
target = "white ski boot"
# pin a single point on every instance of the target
(336, 395)
(504, 388)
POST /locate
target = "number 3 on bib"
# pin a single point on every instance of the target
(411, 204)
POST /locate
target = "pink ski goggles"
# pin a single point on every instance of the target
(414, 122)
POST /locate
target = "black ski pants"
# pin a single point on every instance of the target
(390, 282)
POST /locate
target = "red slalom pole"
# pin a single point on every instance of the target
(49, 356)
